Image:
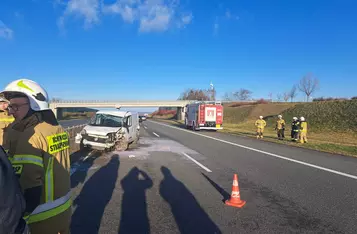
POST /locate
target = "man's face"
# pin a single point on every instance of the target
(3, 105)
(19, 107)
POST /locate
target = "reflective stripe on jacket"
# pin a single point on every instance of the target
(39, 152)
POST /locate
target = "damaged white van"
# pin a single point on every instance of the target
(110, 130)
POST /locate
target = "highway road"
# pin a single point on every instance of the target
(175, 181)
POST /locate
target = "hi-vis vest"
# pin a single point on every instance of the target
(39, 153)
(5, 121)
(303, 126)
(260, 123)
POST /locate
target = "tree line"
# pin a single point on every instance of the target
(307, 85)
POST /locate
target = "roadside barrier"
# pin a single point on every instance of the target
(72, 132)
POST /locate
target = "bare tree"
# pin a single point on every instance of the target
(270, 95)
(286, 96)
(242, 94)
(293, 93)
(279, 97)
(228, 96)
(195, 94)
(308, 85)
(54, 99)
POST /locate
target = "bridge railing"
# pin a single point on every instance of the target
(115, 101)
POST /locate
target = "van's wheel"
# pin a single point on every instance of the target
(81, 146)
(121, 146)
(137, 139)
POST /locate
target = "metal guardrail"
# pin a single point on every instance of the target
(75, 126)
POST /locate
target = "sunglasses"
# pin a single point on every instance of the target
(15, 107)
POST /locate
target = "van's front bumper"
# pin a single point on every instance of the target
(98, 145)
(94, 142)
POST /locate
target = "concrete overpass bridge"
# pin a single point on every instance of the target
(57, 107)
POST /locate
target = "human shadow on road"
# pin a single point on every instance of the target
(94, 197)
(189, 215)
(81, 171)
(223, 192)
(134, 218)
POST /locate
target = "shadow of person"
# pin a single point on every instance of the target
(134, 218)
(81, 173)
(189, 215)
(94, 197)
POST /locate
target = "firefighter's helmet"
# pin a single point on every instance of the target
(36, 94)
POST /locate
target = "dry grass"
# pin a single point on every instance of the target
(333, 142)
(332, 126)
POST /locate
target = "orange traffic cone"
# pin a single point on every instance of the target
(235, 196)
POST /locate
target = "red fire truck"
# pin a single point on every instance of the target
(204, 115)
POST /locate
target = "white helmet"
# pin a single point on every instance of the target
(295, 118)
(302, 119)
(36, 94)
(260, 117)
(279, 116)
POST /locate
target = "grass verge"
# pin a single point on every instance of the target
(336, 143)
(331, 142)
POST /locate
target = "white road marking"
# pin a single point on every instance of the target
(145, 127)
(264, 152)
(155, 134)
(199, 164)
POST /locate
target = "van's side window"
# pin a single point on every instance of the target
(129, 121)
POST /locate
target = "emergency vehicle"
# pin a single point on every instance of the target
(204, 115)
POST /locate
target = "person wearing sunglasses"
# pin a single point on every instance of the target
(5, 118)
(38, 148)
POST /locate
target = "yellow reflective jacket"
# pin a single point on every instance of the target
(38, 149)
(280, 124)
(260, 123)
(303, 126)
(5, 121)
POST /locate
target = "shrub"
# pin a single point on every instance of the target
(262, 101)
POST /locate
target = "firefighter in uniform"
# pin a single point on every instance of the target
(38, 149)
(295, 128)
(280, 127)
(303, 130)
(260, 124)
(5, 118)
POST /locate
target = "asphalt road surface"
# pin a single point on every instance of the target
(175, 181)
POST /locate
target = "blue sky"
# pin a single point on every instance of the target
(155, 49)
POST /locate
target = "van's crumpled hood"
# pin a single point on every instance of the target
(101, 131)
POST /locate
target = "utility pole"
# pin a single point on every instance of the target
(213, 92)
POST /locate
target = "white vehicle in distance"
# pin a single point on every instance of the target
(110, 130)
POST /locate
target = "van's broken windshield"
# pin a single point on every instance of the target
(105, 120)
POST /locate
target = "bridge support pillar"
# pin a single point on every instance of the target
(58, 113)
(180, 113)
